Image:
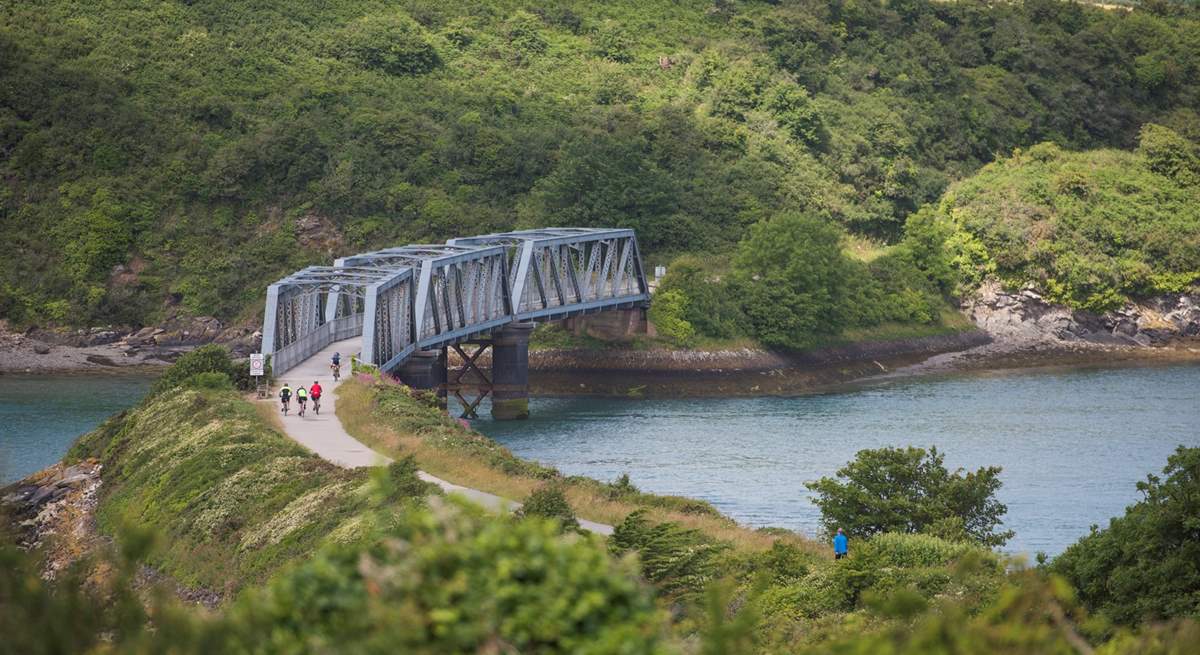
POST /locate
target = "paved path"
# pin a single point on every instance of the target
(324, 435)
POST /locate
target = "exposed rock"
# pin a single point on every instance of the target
(318, 233)
(1024, 316)
(187, 331)
(39, 347)
(54, 510)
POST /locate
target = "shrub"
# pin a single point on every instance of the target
(1169, 154)
(931, 566)
(667, 310)
(910, 490)
(712, 304)
(454, 582)
(392, 43)
(679, 561)
(612, 42)
(548, 501)
(205, 359)
(524, 32)
(795, 277)
(1144, 564)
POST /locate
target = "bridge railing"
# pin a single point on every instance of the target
(457, 291)
(422, 297)
(313, 308)
(312, 343)
(560, 271)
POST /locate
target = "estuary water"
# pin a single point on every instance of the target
(1072, 443)
(42, 415)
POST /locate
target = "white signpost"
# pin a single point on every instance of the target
(257, 370)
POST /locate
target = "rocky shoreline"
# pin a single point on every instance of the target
(109, 348)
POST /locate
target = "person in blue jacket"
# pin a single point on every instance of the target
(840, 547)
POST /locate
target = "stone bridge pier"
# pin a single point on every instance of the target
(508, 383)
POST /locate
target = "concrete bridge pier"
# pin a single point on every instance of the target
(510, 371)
(425, 369)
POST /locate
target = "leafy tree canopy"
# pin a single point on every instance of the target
(1145, 564)
(911, 490)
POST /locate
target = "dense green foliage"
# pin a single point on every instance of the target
(677, 560)
(910, 490)
(452, 582)
(1091, 229)
(548, 501)
(1145, 564)
(206, 360)
(178, 156)
(793, 285)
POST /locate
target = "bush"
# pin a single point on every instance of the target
(393, 43)
(931, 566)
(667, 311)
(453, 582)
(712, 304)
(1143, 566)
(679, 561)
(209, 380)
(205, 359)
(910, 490)
(548, 501)
(1169, 154)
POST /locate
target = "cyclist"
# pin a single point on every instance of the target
(336, 366)
(315, 392)
(285, 394)
(301, 397)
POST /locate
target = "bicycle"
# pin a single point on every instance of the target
(337, 371)
(302, 403)
(316, 405)
(285, 406)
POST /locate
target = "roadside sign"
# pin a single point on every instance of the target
(256, 364)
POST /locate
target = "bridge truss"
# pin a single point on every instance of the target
(422, 297)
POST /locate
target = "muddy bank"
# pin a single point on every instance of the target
(743, 359)
(734, 372)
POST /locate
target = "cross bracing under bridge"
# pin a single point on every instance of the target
(423, 297)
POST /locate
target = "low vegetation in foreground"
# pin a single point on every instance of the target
(199, 483)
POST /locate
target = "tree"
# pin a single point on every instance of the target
(1145, 564)
(1167, 153)
(910, 490)
(795, 275)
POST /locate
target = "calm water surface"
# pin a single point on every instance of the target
(40, 416)
(1072, 443)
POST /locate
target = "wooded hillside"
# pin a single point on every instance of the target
(179, 156)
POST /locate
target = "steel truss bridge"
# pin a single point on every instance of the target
(425, 297)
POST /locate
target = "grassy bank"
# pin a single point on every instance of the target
(231, 498)
(390, 420)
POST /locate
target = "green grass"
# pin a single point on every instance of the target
(230, 498)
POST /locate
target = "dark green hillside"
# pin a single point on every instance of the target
(158, 153)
